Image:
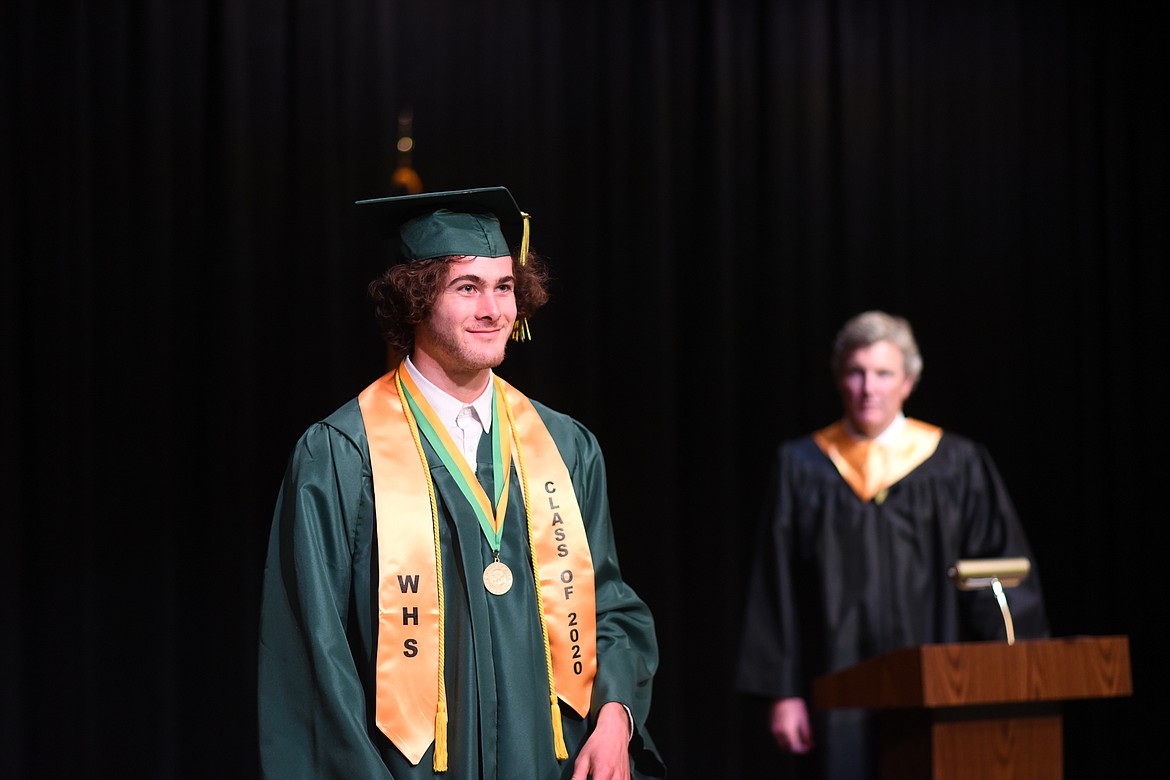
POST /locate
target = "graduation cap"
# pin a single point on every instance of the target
(461, 223)
(469, 223)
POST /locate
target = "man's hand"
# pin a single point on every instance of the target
(790, 725)
(606, 754)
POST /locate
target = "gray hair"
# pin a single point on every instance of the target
(867, 329)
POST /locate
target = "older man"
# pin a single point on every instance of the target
(865, 517)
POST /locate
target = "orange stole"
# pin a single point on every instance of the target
(563, 560)
(870, 468)
(407, 677)
(408, 688)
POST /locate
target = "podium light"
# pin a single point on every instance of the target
(994, 573)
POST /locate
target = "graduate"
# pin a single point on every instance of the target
(442, 596)
(864, 519)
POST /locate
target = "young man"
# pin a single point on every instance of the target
(442, 595)
(865, 518)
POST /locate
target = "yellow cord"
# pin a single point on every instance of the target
(562, 751)
(440, 760)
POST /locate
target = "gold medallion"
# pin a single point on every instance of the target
(497, 578)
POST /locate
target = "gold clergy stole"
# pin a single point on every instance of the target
(410, 700)
(871, 468)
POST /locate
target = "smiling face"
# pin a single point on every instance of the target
(874, 385)
(467, 330)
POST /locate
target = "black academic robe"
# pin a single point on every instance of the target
(318, 635)
(836, 579)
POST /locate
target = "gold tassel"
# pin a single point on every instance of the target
(524, 238)
(520, 331)
(558, 730)
(441, 738)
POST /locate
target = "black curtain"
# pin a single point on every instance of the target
(718, 186)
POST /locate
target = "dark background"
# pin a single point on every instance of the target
(718, 186)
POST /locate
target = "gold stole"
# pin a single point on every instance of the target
(410, 702)
(871, 468)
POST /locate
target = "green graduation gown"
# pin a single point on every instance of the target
(318, 633)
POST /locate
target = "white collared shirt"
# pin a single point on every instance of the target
(466, 422)
(892, 431)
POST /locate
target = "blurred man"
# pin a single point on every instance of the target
(864, 519)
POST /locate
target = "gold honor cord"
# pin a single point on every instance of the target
(560, 749)
(439, 762)
(560, 555)
(497, 577)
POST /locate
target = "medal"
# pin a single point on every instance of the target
(497, 578)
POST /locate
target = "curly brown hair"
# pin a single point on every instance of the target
(405, 293)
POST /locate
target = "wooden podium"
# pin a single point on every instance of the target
(977, 709)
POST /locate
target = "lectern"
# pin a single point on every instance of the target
(977, 709)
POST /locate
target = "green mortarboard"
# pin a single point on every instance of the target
(461, 222)
(469, 223)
